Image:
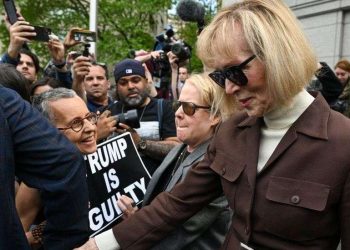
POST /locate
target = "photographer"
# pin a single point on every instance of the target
(90, 82)
(156, 135)
(179, 74)
(26, 62)
(146, 58)
(59, 68)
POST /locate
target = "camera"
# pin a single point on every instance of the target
(85, 52)
(181, 50)
(129, 118)
(85, 36)
(162, 66)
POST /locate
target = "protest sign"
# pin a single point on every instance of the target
(113, 170)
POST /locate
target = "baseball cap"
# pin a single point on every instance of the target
(128, 67)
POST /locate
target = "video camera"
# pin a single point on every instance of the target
(179, 48)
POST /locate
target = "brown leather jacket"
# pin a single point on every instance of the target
(300, 200)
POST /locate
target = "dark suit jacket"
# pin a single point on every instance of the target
(300, 200)
(204, 230)
(39, 155)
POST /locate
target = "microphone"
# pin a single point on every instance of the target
(190, 11)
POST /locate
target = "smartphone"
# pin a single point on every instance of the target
(11, 11)
(42, 34)
(85, 36)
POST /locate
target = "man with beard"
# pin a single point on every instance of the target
(157, 134)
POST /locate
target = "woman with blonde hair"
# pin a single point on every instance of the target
(282, 162)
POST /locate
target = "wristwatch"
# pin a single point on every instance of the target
(142, 145)
(60, 65)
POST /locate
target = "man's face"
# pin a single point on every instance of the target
(132, 91)
(66, 111)
(183, 74)
(27, 68)
(96, 83)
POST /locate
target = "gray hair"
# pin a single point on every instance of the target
(42, 101)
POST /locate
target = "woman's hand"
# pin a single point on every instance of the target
(127, 205)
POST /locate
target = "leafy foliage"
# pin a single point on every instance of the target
(122, 25)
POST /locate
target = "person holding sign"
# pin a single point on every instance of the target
(201, 106)
(283, 161)
(69, 114)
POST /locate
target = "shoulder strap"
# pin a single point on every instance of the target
(160, 116)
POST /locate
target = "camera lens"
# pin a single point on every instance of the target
(129, 118)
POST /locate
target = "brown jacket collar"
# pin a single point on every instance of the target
(318, 111)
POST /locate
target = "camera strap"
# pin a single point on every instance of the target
(160, 116)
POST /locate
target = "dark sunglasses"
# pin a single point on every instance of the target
(77, 124)
(189, 108)
(233, 73)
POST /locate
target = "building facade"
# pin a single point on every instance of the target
(327, 25)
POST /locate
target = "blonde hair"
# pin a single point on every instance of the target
(222, 105)
(273, 34)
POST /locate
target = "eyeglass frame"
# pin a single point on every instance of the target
(194, 107)
(82, 122)
(220, 76)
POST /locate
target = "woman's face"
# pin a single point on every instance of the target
(253, 97)
(193, 130)
(342, 75)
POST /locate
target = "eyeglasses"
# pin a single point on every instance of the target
(189, 108)
(134, 79)
(77, 124)
(233, 73)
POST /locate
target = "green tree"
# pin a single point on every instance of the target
(122, 25)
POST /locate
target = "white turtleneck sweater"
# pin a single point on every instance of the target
(277, 123)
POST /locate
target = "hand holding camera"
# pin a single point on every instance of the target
(57, 51)
(69, 40)
(106, 125)
(173, 60)
(20, 30)
(20, 33)
(81, 67)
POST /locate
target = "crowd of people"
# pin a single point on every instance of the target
(251, 153)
